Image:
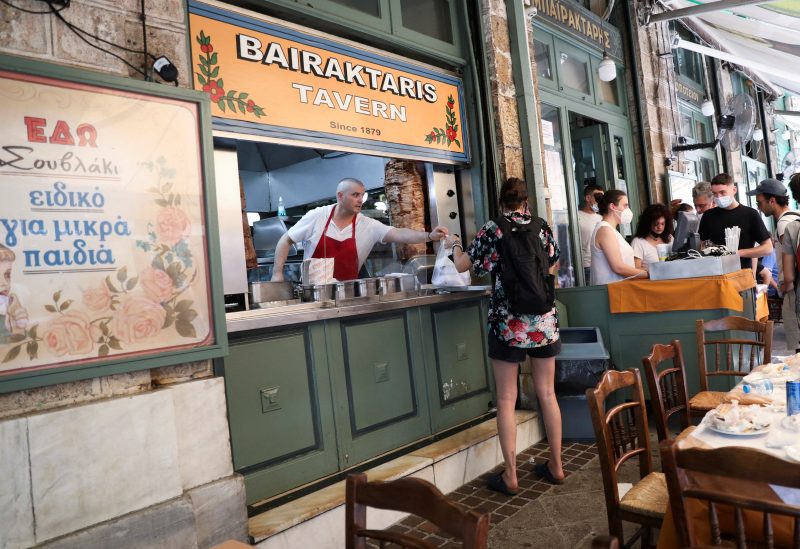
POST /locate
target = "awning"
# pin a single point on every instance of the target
(763, 38)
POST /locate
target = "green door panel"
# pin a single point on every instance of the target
(279, 406)
(457, 367)
(379, 389)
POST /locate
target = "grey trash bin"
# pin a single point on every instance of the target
(579, 366)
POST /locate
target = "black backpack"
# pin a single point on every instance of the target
(524, 267)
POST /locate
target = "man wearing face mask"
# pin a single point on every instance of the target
(754, 240)
(588, 217)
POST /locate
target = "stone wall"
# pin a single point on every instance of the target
(660, 118)
(503, 94)
(133, 459)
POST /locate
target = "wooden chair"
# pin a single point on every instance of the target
(668, 395)
(622, 434)
(734, 483)
(410, 495)
(759, 352)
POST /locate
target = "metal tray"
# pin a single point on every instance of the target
(693, 268)
(472, 288)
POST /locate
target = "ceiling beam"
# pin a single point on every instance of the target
(702, 8)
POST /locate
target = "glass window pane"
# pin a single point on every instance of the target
(574, 73)
(700, 131)
(541, 53)
(687, 126)
(609, 91)
(559, 203)
(619, 153)
(428, 17)
(370, 7)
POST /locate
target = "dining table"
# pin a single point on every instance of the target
(781, 439)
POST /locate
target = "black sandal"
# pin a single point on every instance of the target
(542, 471)
(496, 483)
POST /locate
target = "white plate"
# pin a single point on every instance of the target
(739, 434)
(793, 453)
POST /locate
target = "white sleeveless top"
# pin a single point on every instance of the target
(601, 270)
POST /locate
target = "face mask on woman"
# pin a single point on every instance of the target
(723, 201)
(625, 217)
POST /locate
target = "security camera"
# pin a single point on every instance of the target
(165, 69)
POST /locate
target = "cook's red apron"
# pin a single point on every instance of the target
(343, 252)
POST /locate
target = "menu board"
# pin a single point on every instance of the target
(103, 245)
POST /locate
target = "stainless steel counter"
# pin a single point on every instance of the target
(257, 319)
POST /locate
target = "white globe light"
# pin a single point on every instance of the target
(607, 69)
(707, 108)
(758, 135)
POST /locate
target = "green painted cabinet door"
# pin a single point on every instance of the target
(280, 410)
(456, 363)
(378, 383)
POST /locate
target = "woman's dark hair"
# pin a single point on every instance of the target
(650, 215)
(513, 193)
(610, 197)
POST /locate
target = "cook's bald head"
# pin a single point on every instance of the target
(346, 184)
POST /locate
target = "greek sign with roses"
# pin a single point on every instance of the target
(449, 134)
(124, 309)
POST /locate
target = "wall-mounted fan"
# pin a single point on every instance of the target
(735, 125)
(790, 166)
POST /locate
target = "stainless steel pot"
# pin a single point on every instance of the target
(324, 292)
(367, 287)
(346, 289)
(405, 282)
(387, 285)
(262, 292)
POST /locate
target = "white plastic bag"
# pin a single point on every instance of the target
(445, 273)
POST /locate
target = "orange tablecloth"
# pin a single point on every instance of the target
(681, 294)
(762, 307)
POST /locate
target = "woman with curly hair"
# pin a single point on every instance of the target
(654, 228)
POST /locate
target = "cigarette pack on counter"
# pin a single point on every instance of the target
(695, 267)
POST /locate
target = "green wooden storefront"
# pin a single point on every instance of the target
(309, 398)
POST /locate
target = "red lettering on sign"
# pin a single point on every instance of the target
(61, 134)
(35, 129)
(87, 135)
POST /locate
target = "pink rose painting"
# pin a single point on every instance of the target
(70, 334)
(157, 284)
(127, 309)
(172, 225)
(97, 299)
(138, 318)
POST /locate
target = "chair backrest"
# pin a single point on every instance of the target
(621, 432)
(668, 394)
(750, 352)
(732, 476)
(410, 495)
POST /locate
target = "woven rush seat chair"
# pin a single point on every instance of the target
(668, 394)
(622, 434)
(727, 496)
(410, 495)
(750, 352)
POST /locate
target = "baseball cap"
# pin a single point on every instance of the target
(769, 186)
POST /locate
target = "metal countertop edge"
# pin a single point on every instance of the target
(265, 318)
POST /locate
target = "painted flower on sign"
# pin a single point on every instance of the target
(97, 299)
(172, 225)
(137, 318)
(449, 134)
(209, 78)
(70, 333)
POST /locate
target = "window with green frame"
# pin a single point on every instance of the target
(431, 23)
(687, 63)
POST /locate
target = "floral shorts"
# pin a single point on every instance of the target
(501, 350)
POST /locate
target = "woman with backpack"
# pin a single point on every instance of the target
(521, 282)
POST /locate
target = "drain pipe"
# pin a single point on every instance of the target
(637, 97)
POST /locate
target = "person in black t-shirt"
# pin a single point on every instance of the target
(754, 240)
